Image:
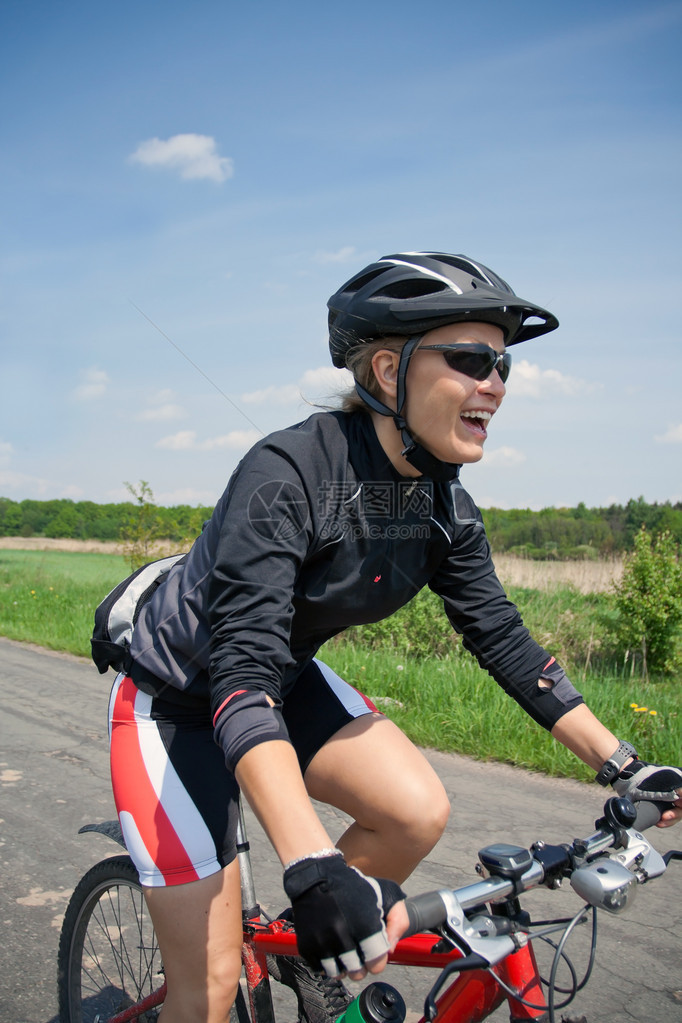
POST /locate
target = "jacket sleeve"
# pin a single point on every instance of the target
(262, 542)
(491, 625)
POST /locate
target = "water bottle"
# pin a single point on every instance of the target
(377, 1003)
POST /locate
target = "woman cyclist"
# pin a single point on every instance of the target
(334, 522)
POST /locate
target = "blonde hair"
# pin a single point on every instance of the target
(359, 362)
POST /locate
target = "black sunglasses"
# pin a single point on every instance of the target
(474, 359)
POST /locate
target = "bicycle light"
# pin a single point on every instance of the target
(605, 884)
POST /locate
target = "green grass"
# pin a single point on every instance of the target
(49, 597)
(451, 704)
(445, 702)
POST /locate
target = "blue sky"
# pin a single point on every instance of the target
(184, 185)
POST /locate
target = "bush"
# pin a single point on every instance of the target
(142, 529)
(576, 627)
(420, 629)
(649, 601)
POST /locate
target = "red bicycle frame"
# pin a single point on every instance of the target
(472, 994)
(471, 997)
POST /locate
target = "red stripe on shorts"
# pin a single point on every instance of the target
(130, 775)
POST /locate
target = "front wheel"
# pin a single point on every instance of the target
(108, 958)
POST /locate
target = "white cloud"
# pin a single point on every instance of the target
(236, 440)
(187, 440)
(73, 492)
(673, 435)
(503, 458)
(93, 386)
(195, 156)
(20, 483)
(529, 381)
(315, 384)
(187, 495)
(326, 378)
(288, 394)
(23, 484)
(342, 255)
(162, 414)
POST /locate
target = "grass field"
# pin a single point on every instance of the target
(49, 597)
(453, 705)
(584, 576)
(446, 701)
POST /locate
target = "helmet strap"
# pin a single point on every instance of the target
(413, 452)
(425, 462)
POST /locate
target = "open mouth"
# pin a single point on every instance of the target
(477, 421)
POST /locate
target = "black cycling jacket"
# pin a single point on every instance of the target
(316, 532)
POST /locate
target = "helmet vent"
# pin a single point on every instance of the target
(363, 279)
(459, 263)
(412, 289)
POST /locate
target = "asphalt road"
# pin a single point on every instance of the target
(54, 778)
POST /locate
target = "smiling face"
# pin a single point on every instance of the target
(447, 412)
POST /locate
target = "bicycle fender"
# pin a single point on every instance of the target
(110, 829)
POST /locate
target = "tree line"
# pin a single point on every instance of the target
(86, 520)
(562, 533)
(581, 532)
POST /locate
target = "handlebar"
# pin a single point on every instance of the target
(610, 884)
(604, 870)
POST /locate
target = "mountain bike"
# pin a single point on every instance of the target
(479, 937)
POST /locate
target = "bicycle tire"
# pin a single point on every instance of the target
(108, 953)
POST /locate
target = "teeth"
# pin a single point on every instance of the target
(477, 415)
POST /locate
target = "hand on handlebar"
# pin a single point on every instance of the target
(339, 915)
(397, 923)
(642, 781)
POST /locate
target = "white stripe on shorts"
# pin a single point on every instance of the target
(187, 822)
(349, 697)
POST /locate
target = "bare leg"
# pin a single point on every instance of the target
(372, 771)
(199, 929)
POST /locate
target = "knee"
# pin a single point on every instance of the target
(423, 815)
(207, 998)
(223, 982)
(432, 813)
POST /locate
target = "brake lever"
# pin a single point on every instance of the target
(480, 949)
(491, 948)
(469, 962)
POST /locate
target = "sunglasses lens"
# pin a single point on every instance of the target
(504, 367)
(478, 365)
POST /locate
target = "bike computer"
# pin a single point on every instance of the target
(508, 861)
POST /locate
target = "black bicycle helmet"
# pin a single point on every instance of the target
(410, 293)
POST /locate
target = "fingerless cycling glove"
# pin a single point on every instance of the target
(640, 780)
(338, 912)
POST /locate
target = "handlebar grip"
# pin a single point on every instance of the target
(649, 812)
(424, 912)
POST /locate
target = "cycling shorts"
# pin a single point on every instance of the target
(176, 800)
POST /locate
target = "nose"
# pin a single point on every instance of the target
(493, 385)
